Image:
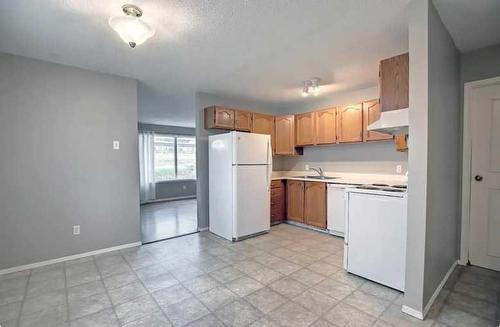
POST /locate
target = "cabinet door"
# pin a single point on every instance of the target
(394, 82)
(326, 126)
(350, 123)
(278, 201)
(295, 200)
(371, 113)
(315, 204)
(285, 135)
(304, 129)
(219, 117)
(242, 120)
(263, 124)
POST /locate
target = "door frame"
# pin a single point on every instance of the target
(467, 164)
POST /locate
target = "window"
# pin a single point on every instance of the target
(175, 157)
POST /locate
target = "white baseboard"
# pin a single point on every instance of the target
(170, 199)
(202, 229)
(439, 288)
(412, 312)
(68, 258)
(421, 315)
(294, 223)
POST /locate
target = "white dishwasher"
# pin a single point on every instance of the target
(375, 240)
(336, 207)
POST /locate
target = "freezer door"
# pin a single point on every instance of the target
(251, 149)
(252, 201)
(220, 193)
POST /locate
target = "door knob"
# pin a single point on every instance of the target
(478, 178)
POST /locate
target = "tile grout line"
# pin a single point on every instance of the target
(145, 287)
(101, 279)
(18, 320)
(66, 292)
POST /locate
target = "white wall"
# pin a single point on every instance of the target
(57, 165)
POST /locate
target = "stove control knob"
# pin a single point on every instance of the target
(478, 178)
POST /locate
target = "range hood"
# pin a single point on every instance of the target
(392, 122)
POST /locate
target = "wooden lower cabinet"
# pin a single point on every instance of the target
(295, 200)
(278, 201)
(315, 204)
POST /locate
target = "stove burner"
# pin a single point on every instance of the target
(380, 184)
(368, 187)
(392, 190)
(400, 186)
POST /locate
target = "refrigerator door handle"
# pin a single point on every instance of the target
(268, 166)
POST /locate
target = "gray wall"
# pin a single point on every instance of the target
(443, 155)
(480, 64)
(204, 100)
(172, 189)
(374, 157)
(58, 168)
(417, 153)
(433, 198)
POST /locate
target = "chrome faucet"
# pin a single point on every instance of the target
(319, 171)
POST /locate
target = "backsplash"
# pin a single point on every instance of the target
(368, 158)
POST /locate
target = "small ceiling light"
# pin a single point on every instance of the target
(131, 28)
(305, 89)
(311, 87)
(315, 86)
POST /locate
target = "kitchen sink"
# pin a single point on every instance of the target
(316, 177)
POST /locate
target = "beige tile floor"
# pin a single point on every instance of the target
(289, 277)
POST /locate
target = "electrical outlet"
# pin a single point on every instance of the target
(399, 169)
(307, 167)
(184, 187)
(116, 145)
(76, 230)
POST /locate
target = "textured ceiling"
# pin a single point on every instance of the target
(473, 24)
(259, 49)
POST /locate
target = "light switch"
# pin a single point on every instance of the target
(116, 145)
(76, 230)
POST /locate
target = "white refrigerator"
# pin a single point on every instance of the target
(240, 168)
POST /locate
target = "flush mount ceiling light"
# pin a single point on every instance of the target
(311, 87)
(131, 28)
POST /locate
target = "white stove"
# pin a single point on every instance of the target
(375, 236)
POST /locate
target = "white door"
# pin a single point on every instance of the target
(485, 173)
(252, 200)
(251, 149)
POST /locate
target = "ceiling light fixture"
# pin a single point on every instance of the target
(131, 28)
(311, 87)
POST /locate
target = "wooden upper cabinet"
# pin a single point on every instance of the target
(326, 126)
(394, 82)
(242, 120)
(263, 124)
(315, 204)
(295, 200)
(350, 123)
(371, 113)
(284, 131)
(219, 117)
(305, 129)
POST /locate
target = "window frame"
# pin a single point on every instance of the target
(175, 136)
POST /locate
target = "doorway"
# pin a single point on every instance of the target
(168, 182)
(481, 175)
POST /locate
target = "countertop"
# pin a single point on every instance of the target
(343, 178)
